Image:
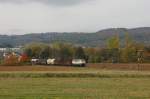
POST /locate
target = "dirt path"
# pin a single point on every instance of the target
(142, 67)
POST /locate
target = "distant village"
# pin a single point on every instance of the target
(6, 51)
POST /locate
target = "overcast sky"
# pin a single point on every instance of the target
(26, 16)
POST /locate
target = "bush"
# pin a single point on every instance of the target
(11, 60)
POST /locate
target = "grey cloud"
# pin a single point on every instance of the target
(79, 15)
(51, 2)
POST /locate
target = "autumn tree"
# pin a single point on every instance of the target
(45, 52)
(79, 53)
(24, 58)
(128, 53)
(113, 42)
(93, 54)
(35, 49)
(11, 59)
(113, 45)
(62, 50)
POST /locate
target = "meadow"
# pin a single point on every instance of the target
(73, 83)
(74, 88)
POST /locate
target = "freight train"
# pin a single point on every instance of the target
(59, 62)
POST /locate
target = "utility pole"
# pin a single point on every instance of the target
(139, 58)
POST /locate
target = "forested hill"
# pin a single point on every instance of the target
(99, 38)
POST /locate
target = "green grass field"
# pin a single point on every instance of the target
(74, 88)
(82, 84)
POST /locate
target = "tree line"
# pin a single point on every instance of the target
(56, 50)
(113, 52)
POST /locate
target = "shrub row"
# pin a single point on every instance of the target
(72, 75)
